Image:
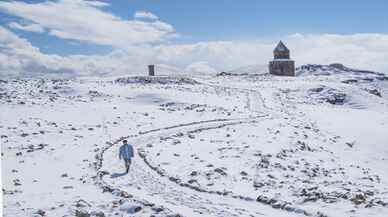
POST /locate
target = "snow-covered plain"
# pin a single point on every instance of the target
(233, 144)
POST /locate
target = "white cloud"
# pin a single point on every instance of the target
(19, 58)
(200, 68)
(86, 21)
(27, 27)
(221, 55)
(145, 15)
(364, 51)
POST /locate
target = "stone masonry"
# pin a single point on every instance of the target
(282, 64)
(151, 70)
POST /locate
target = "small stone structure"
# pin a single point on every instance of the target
(151, 70)
(282, 64)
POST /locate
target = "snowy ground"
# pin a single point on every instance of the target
(234, 144)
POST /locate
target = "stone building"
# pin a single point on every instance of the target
(151, 70)
(282, 64)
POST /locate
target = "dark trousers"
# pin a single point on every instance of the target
(127, 164)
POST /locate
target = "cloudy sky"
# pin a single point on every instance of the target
(79, 37)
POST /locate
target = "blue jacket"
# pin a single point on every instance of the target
(126, 151)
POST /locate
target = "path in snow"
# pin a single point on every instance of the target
(143, 182)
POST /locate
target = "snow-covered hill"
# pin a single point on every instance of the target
(226, 144)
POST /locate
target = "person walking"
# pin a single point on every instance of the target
(126, 153)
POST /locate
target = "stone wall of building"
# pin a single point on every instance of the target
(284, 67)
(151, 70)
(281, 54)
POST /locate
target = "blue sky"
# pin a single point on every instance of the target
(89, 36)
(204, 20)
(227, 19)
